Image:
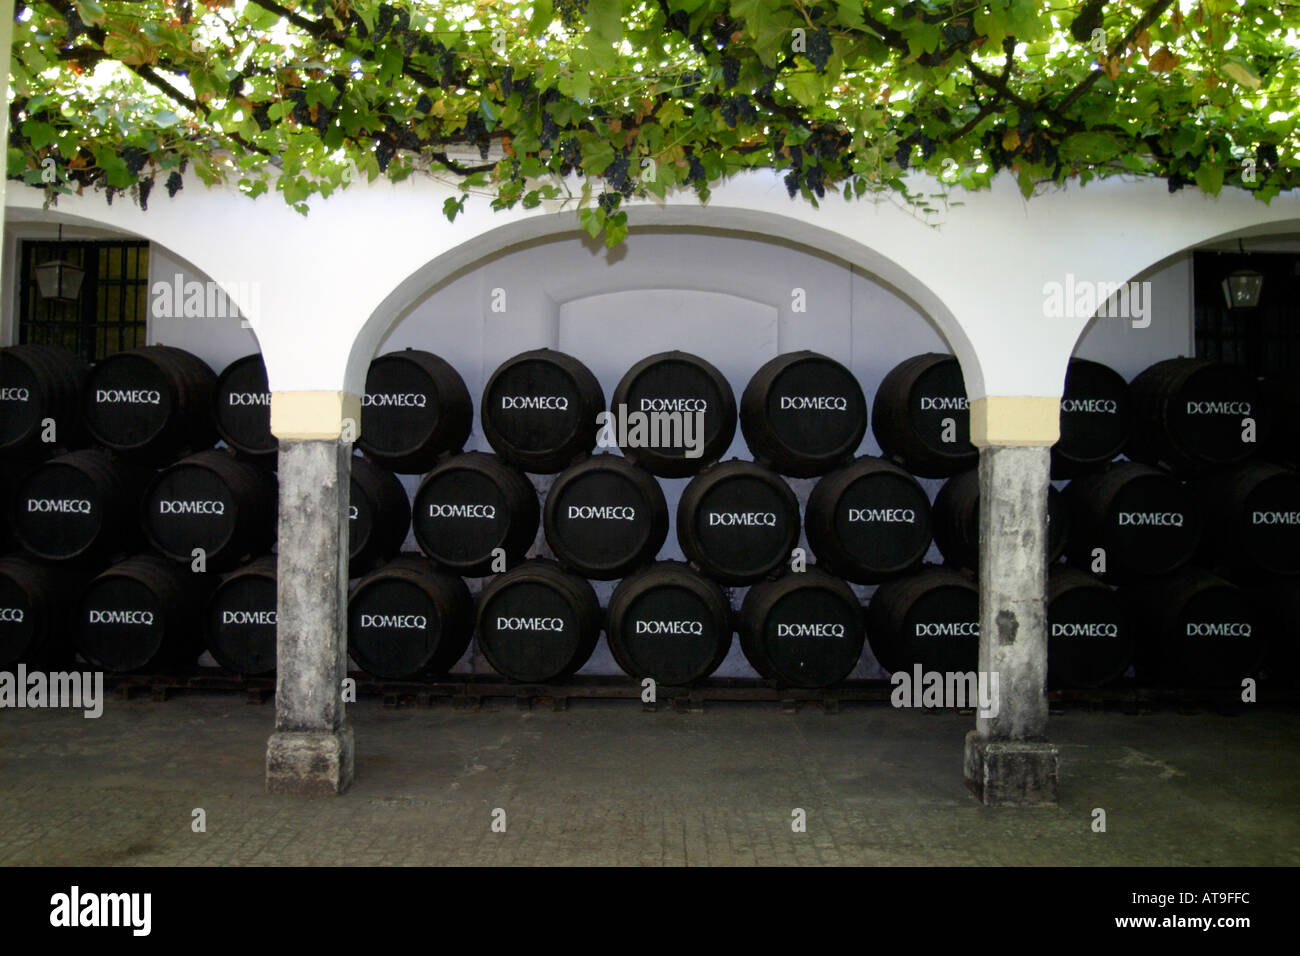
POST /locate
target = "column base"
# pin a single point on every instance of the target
(1011, 773)
(310, 764)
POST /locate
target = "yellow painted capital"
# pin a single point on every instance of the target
(315, 416)
(1015, 420)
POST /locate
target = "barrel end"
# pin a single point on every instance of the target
(311, 763)
(1012, 773)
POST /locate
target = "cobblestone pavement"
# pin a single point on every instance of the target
(606, 783)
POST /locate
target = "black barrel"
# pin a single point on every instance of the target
(868, 521)
(537, 622)
(957, 521)
(1096, 418)
(1188, 415)
(737, 522)
(214, 501)
(379, 516)
(241, 410)
(241, 619)
(469, 506)
(1197, 630)
(804, 629)
(1280, 599)
(40, 382)
(1252, 519)
(605, 517)
(540, 410)
(416, 408)
(407, 619)
(802, 414)
(1090, 633)
(673, 391)
(34, 613)
(930, 619)
(1146, 522)
(669, 624)
(82, 505)
(153, 404)
(144, 613)
(910, 413)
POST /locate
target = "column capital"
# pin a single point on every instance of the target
(1002, 420)
(315, 416)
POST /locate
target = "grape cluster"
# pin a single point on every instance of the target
(550, 130)
(235, 87)
(815, 177)
(571, 152)
(571, 13)
(819, 48)
(928, 146)
(384, 151)
(174, 184)
(616, 174)
(696, 171)
(792, 182)
(145, 187)
(134, 157)
(730, 71)
(690, 81)
(423, 104)
(904, 155)
(738, 108)
(609, 202)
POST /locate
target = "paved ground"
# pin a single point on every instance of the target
(607, 783)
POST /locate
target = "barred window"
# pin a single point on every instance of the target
(110, 315)
(1264, 340)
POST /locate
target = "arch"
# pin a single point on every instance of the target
(739, 223)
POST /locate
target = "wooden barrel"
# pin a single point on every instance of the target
(34, 613)
(605, 517)
(921, 403)
(241, 410)
(144, 613)
(1096, 418)
(407, 619)
(469, 506)
(957, 521)
(803, 414)
(214, 501)
(868, 521)
(674, 391)
(240, 619)
(1188, 415)
(152, 404)
(540, 411)
(80, 506)
(803, 629)
(415, 409)
(1146, 522)
(379, 516)
(537, 622)
(1197, 630)
(1090, 633)
(39, 383)
(930, 619)
(669, 624)
(1252, 519)
(737, 522)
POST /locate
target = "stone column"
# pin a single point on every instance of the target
(311, 751)
(1009, 761)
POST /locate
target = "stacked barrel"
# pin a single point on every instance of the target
(142, 501)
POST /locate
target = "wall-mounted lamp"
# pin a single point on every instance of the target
(1241, 287)
(59, 279)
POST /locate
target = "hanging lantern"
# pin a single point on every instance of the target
(59, 280)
